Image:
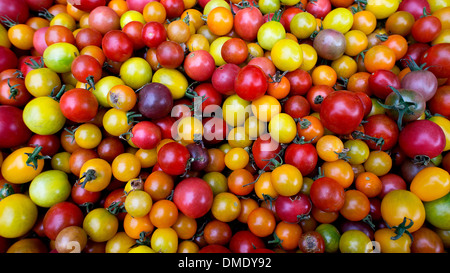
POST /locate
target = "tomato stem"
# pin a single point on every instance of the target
(59, 94)
(88, 176)
(422, 160)
(320, 174)
(6, 191)
(401, 106)
(368, 220)
(403, 228)
(34, 64)
(13, 91)
(277, 77)
(301, 140)
(361, 135)
(275, 163)
(382, 37)
(34, 157)
(343, 155)
(319, 99)
(276, 240)
(88, 206)
(143, 239)
(8, 22)
(425, 13)
(18, 74)
(413, 65)
(268, 198)
(131, 116)
(116, 207)
(46, 14)
(90, 83)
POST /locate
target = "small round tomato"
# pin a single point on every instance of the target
(303, 24)
(43, 116)
(287, 180)
(136, 72)
(220, 21)
(50, 187)
(100, 225)
(138, 203)
(261, 222)
(269, 33)
(240, 182)
(282, 128)
(122, 97)
(382, 8)
(430, 184)
(22, 165)
(226, 207)
(95, 174)
(378, 162)
(388, 245)
(327, 194)
(126, 166)
(59, 56)
(369, 184)
(355, 241)
(356, 206)
(340, 19)
(18, 215)
(398, 204)
(437, 212)
(339, 170)
(287, 55)
(88, 136)
(329, 148)
(164, 240)
(379, 57)
(163, 213)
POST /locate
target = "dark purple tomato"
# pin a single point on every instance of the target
(155, 100)
(357, 225)
(199, 155)
(330, 44)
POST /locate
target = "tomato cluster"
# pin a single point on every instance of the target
(224, 126)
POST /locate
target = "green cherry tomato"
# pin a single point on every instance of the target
(331, 237)
(100, 225)
(303, 24)
(358, 151)
(43, 116)
(355, 241)
(438, 212)
(269, 6)
(287, 55)
(340, 19)
(17, 215)
(50, 187)
(41, 81)
(270, 33)
(59, 57)
(136, 72)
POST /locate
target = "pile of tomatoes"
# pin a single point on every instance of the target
(199, 126)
